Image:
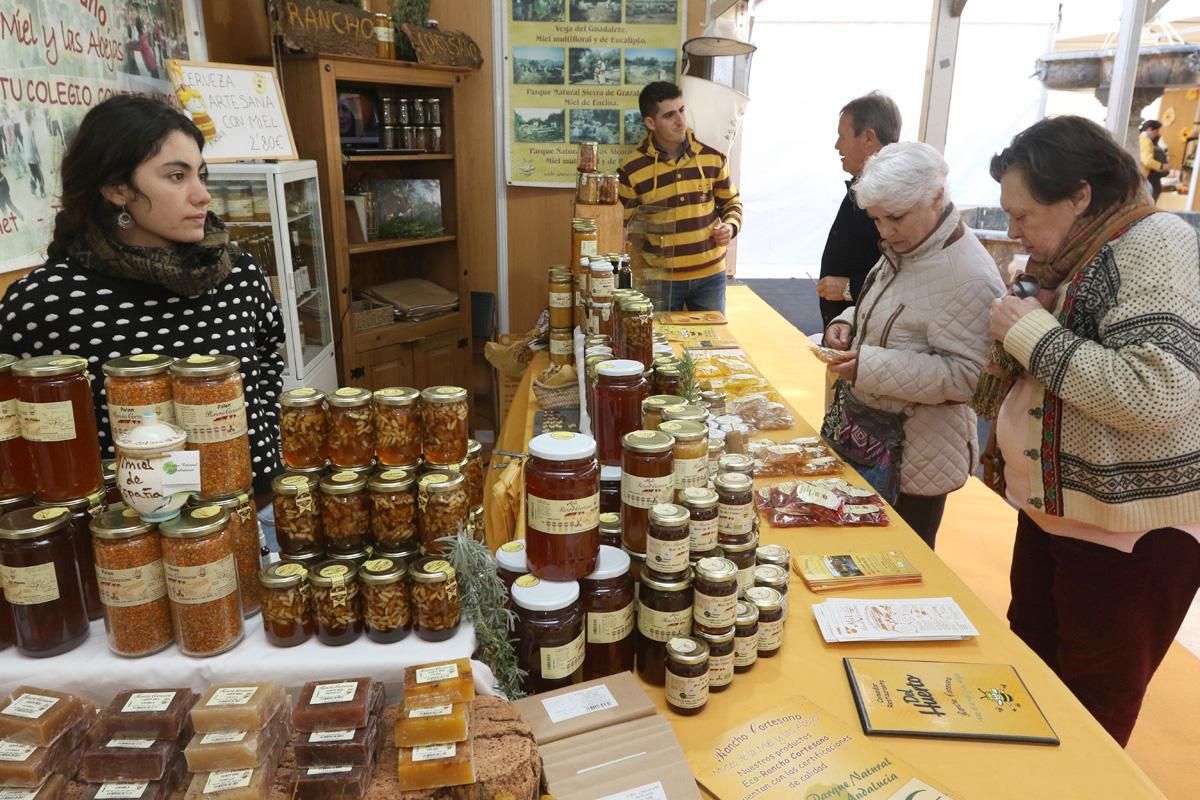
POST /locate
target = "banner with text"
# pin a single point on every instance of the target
(58, 58)
(575, 69)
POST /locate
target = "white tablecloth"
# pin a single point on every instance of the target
(93, 671)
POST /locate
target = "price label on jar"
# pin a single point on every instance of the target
(687, 692)
(606, 627)
(770, 635)
(562, 661)
(47, 422)
(735, 520)
(213, 422)
(661, 626)
(667, 556)
(10, 420)
(125, 418)
(563, 517)
(29, 586)
(702, 534)
(646, 492)
(714, 612)
(690, 472)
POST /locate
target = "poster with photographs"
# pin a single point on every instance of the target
(575, 69)
(58, 58)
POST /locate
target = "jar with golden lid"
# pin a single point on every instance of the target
(600, 282)
(83, 510)
(664, 612)
(610, 527)
(16, 467)
(351, 427)
(447, 426)
(202, 581)
(587, 188)
(720, 657)
(773, 577)
(41, 581)
(286, 614)
(667, 379)
(247, 548)
(134, 385)
(714, 401)
(297, 513)
(735, 507)
(58, 423)
(610, 614)
(441, 510)
(646, 481)
(652, 408)
(770, 619)
(701, 504)
(305, 558)
(742, 554)
(687, 675)
(685, 411)
(690, 453)
(334, 594)
(345, 511)
(397, 425)
(550, 639)
(637, 334)
(511, 563)
(210, 405)
(386, 604)
(667, 539)
(714, 605)
(562, 505)
(436, 609)
(355, 558)
(562, 346)
(745, 641)
(303, 428)
(618, 404)
(562, 297)
(393, 494)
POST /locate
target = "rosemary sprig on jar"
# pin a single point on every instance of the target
(482, 597)
(688, 387)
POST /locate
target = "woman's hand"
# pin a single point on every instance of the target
(833, 287)
(837, 336)
(1006, 311)
(846, 369)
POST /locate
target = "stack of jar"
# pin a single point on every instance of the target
(584, 246)
(411, 124)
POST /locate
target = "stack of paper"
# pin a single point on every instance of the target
(917, 620)
(823, 571)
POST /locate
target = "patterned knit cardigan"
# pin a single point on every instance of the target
(1113, 438)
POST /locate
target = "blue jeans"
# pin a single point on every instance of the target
(699, 294)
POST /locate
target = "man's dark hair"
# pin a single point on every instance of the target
(1057, 155)
(655, 93)
(1150, 125)
(878, 112)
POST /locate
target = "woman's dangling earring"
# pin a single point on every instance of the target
(124, 219)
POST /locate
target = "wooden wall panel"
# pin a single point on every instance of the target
(9, 278)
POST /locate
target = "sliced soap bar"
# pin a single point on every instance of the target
(38, 716)
(148, 714)
(433, 724)
(209, 752)
(335, 705)
(353, 747)
(237, 707)
(437, 765)
(122, 759)
(237, 784)
(26, 765)
(140, 790)
(439, 683)
(338, 782)
(52, 789)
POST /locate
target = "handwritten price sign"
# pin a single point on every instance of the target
(237, 108)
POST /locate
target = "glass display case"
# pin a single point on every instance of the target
(273, 212)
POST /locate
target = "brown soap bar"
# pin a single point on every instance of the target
(52, 789)
(439, 683)
(237, 784)
(237, 707)
(433, 724)
(210, 752)
(338, 782)
(140, 790)
(334, 705)
(26, 766)
(125, 759)
(437, 765)
(353, 747)
(149, 714)
(38, 716)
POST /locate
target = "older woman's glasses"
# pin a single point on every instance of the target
(1025, 285)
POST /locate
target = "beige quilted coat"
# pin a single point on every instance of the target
(921, 335)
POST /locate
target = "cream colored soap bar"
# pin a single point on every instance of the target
(209, 752)
(439, 683)
(232, 707)
(238, 784)
(433, 724)
(38, 716)
(435, 766)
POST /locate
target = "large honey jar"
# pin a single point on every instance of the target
(562, 506)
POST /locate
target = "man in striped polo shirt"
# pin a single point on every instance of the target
(691, 206)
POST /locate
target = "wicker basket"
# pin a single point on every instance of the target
(557, 396)
(369, 314)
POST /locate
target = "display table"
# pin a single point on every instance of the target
(1088, 763)
(92, 671)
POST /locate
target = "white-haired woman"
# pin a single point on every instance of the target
(918, 330)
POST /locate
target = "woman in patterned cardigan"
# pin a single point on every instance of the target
(1099, 427)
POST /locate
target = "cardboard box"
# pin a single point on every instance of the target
(604, 739)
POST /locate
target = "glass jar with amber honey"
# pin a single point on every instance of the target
(690, 453)
(687, 675)
(334, 594)
(473, 472)
(667, 379)
(562, 297)
(351, 427)
(393, 494)
(447, 427)
(441, 509)
(386, 603)
(303, 428)
(637, 334)
(16, 468)
(297, 513)
(664, 612)
(652, 408)
(610, 615)
(646, 481)
(562, 505)
(436, 609)
(550, 640)
(562, 346)
(716, 591)
(397, 426)
(286, 615)
(83, 510)
(345, 511)
(667, 539)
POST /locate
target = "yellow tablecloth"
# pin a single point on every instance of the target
(1088, 763)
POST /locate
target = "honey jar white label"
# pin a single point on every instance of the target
(141, 702)
(29, 586)
(560, 299)
(667, 556)
(202, 584)
(735, 519)
(663, 625)
(745, 650)
(125, 418)
(714, 612)
(720, 670)
(215, 422)
(10, 420)
(562, 517)
(47, 422)
(606, 627)
(121, 791)
(690, 472)
(687, 692)
(562, 661)
(703, 534)
(30, 706)
(770, 635)
(124, 588)
(646, 492)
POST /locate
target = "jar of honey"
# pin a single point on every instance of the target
(562, 505)
(351, 427)
(652, 408)
(646, 481)
(610, 615)
(618, 405)
(637, 333)
(550, 640)
(16, 466)
(446, 418)
(562, 297)
(397, 426)
(690, 453)
(303, 428)
(562, 346)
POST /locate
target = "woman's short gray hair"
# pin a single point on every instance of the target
(901, 176)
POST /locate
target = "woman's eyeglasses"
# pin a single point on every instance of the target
(1025, 285)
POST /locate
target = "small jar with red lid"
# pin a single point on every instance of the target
(562, 506)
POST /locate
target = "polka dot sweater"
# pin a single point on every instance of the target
(63, 308)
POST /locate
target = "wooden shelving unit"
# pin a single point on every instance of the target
(416, 354)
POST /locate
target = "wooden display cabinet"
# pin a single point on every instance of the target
(415, 354)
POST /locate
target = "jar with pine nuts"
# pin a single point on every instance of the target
(303, 428)
(473, 472)
(345, 511)
(393, 495)
(335, 602)
(297, 513)
(387, 607)
(436, 609)
(286, 615)
(351, 427)
(447, 424)
(398, 426)
(441, 510)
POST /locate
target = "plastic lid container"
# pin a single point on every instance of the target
(534, 594)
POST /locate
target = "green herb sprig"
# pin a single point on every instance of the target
(688, 387)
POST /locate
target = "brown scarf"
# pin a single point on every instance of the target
(187, 270)
(1085, 239)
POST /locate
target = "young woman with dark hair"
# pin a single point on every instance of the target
(138, 265)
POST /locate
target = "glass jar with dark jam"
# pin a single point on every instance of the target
(511, 563)
(610, 615)
(386, 603)
(646, 481)
(667, 540)
(334, 594)
(664, 612)
(41, 581)
(618, 405)
(610, 529)
(770, 619)
(667, 379)
(720, 658)
(610, 489)
(745, 637)
(652, 408)
(714, 604)
(735, 508)
(16, 466)
(773, 577)
(701, 504)
(551, 643)
(83, 511)
(687, 675)
(775, 554)
(58, 421)
(562, 506)
(286, 615)
(742, 555)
